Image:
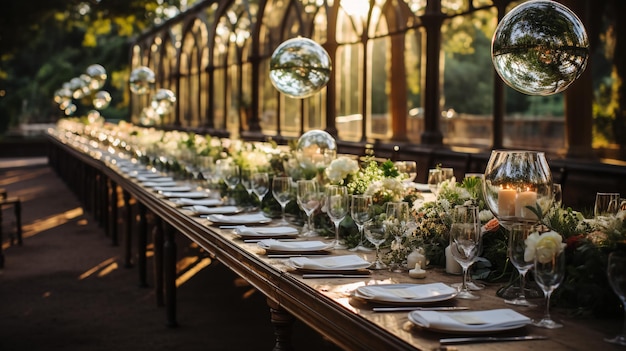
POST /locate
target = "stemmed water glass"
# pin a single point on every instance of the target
(606, 205)
(231, 173)
(260, 183)
(360, 210)
(434, 179)
(338, 206)
(375, 233)
(397, 223)
(549, 273)
(616, 271)
(464, 242)
(281, 189)
(309, 200)
(517, 247)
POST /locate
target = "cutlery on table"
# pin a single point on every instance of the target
(335, 275)
(416, 308)
(448, 341)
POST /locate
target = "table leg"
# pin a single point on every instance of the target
(283, 326)
(157, 239)
(169, 270)
(128, 230)
(142, 242)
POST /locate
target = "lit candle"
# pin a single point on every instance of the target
(523, 199)
(506, 202)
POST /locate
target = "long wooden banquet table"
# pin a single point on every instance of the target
(327, 305)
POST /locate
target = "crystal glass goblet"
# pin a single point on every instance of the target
(281, 190)
(616, 271)
(376, 234)
(338, 206)
(517, 247)
(361, 212)
(465, 242)
(549, 273)
(309, 200)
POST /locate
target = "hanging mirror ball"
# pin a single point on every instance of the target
(149, 117)
(316, 148)
(300, 67)
(77, 86)
(141, 80)
(163, 101)
(98, 76)
(540, 48)
(101, 100)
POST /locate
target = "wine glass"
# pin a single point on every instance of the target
(549, 273)
(360, 211)
(464, 242)
(337, 203)
(616, 271)
(606, 205)
(260, 183)
(308, 198)
(231, 173)
(281, 189)
(517, 247)
(376, 234)
(515, 181)
(434, 179)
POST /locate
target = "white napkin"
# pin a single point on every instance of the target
(156, 179)
(265, 231)
(154, 184)
(498, 319)
(345, 262)
(164, 188)
(240, 219)
(183, 201)
(185, 194)
(271, 244)
(405, 292)
(203, 210)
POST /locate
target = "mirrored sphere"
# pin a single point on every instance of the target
(101, 100)
(540, 47)
(316, 148)
(300, 67)
(141, 80)
(163, 101)
(98, 76)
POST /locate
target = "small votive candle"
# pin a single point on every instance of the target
(417, 272)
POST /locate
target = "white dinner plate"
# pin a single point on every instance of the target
(185, 194)
(247, 218)
(331, 263)
(469, 322)
(406, 293)
(200, 210)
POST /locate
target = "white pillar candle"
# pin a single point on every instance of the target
(523, 199)
(506, 202)
(452, 266)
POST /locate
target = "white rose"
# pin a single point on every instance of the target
(544, 246)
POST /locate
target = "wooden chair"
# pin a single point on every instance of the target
(17, 206)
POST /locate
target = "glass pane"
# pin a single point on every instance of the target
(413, 64)
(268, 100)
(348, 65)
(219, 108)
(232, 101)
(379, 122)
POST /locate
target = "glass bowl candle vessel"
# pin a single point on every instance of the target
(516, 181)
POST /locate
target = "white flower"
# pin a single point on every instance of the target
(340, 168)
(485, 216)
(544, 246)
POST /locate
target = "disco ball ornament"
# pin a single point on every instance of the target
(98, 76)
(163, 101)
(299, 68)
(141, 80)
(101, 100)
(316, 148)
(77, 86)
(540, 48)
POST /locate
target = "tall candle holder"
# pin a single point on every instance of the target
(515, 183)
